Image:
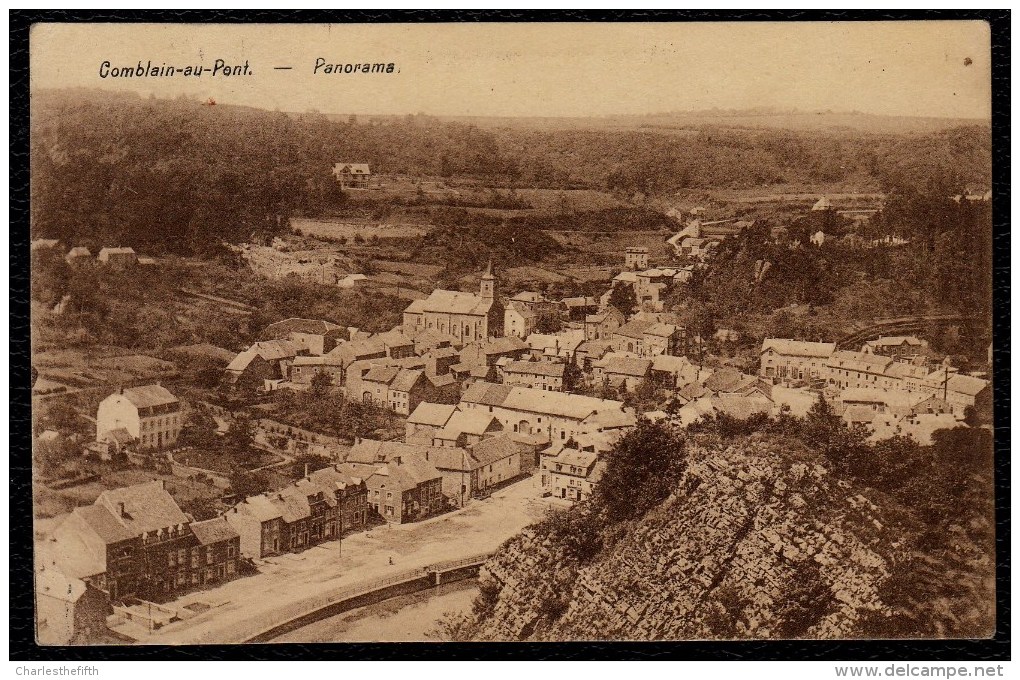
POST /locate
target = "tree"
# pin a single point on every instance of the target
(240, 435)
(623, 298)
(321, 385)
(642, 470)
(199, 430)
(548, 321)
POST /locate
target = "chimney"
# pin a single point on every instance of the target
(306, 470)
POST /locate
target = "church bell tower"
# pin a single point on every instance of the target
(488, 287)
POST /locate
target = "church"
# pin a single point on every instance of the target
(465, 316)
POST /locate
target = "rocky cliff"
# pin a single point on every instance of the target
(759, 540)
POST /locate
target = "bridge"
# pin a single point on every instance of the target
(301, 614)
(896, 326)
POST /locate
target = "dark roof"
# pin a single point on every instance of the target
(282, 329)
(382, 374)
(102, 521)
(488, 394)
(492, 449)
(147, 507)
(213, 530)
(149, 395)
(406, 380)
(547, 368)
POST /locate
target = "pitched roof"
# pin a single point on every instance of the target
(466, 422)
(967, 384)
(274, 350)
(564, 404)
(504, 345)
(405, 475)
(105, 252)
(441, 380)
(242, 360)
(427, 413)
(352, 351)
(318, 360)
(487, 394)
(147, 507)
(895, 340)
(393, 338)
(493, 449)
(381, 374)
(149, 395)
(79, 251)
(798, 348)
(352, 168)
(406, 379)
(546, 368)
(102, 521)
(213, 530)
(282, 329)
(859, 361)
(452, 302)
(622, 365)
(634, 329)
(579, 301)
(576, 458)
(521, 309)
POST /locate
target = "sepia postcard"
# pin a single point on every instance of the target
(452, 332)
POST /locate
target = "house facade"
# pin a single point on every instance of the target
(794, 359)
(135, 542)
(149, 414)
(318, 508)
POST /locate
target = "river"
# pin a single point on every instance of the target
(408, 618)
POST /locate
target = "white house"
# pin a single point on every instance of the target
(150, 415)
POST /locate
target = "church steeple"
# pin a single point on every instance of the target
(488, 287)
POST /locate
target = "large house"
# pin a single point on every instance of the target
(540, 375)
(148, 415)
(352, 175)
(636, 257)
(519, 320)
(136, 542)
(467, 317)
(621, 371)
(401, 490)
(557, 416)
(314, 336)
(602, 325)
(317, 508)
(895, 346)
(569, 473)
(794, 359)
(647, 338)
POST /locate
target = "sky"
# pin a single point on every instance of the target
(924, 68)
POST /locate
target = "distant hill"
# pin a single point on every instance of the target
(681, 121)
(164, 174)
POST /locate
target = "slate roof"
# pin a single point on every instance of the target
(798, 348)
(381, 374)
(282, 329)
(634, 329)
(493, 449)
(545, 368)
(149, 395)
(274, 350)
(406, 379)
(452, 302)
(967, 384)
(466, 422)
(213, 530)
(859, 361)
(147, 507)
(574, 406)
(621, 365)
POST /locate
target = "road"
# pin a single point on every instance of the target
(242, 607)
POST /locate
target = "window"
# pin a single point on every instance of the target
(230, 551)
